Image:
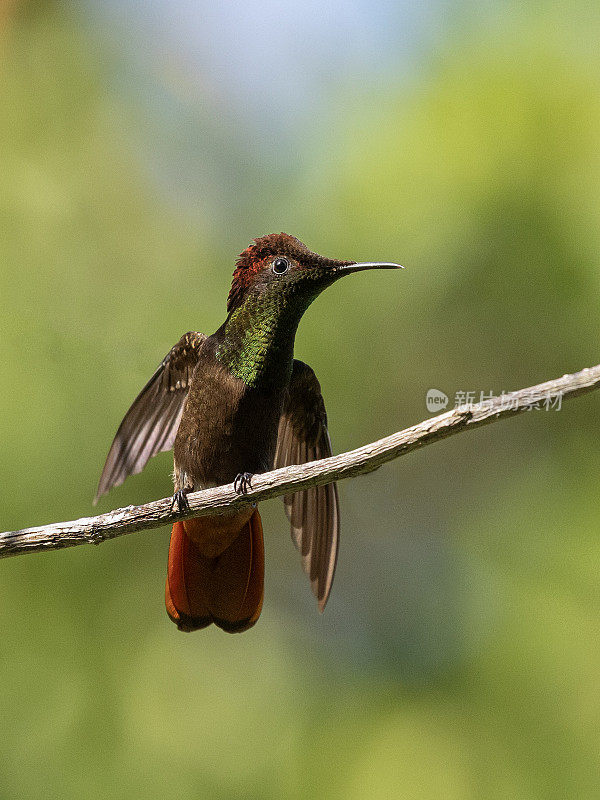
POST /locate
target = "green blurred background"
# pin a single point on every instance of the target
(142, 146)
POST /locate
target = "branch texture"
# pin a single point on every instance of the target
(94, 530)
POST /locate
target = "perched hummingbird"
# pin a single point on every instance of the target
(230, 405)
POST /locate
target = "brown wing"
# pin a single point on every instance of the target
(150, 425)
(313, 513)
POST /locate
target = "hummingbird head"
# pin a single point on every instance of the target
(278, 267)
(275, 280)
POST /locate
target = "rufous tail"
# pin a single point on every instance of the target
(226, 590)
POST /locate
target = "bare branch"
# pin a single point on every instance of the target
(94, 530)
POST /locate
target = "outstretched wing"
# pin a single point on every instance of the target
(150, 425)
(313, 513)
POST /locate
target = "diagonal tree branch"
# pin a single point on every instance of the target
(94, 530)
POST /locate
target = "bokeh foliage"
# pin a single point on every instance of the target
(459, 656)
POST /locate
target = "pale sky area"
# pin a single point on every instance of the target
(272, 73)
(276, 60)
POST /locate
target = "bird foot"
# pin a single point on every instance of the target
(243, 482)
(180, 499)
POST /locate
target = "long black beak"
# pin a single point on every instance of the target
(347, 268)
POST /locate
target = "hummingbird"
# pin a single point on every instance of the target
(232, 405)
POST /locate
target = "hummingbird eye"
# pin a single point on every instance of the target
(280, 265)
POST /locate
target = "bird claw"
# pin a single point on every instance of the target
(180, 498)
(243, 482)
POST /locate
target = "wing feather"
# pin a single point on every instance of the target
(151, 424)
(313, 513)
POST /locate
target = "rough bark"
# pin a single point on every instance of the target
(94, 530)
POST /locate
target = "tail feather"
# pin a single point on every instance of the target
(226, 589)
(187, 582)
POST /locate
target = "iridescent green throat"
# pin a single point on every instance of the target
(258, 339)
